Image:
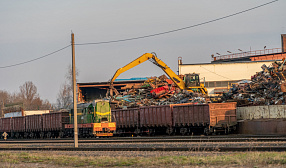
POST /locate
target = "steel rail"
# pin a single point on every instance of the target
(156, 137)
(194, 149)
(274, 139)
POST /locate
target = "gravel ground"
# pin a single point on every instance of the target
(154, 145)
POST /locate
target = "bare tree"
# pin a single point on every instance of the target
(69, 77)
(28, 93)
(4, 98)
(39, 104)
(65, 99)
(31, 99)
(27, 99)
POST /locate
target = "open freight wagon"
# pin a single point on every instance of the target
(35, 126)
(184, 119)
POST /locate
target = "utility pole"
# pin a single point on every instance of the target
(74, 94)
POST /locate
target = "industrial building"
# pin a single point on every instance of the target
(232, 68)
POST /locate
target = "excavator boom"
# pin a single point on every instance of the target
(148, 56)
(155, 60)
(132, 64)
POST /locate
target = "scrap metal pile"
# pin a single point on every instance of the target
(156, 91)
(267, 87)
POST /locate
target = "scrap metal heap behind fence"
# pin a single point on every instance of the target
(267, 87)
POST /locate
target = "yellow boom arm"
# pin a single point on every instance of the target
(148, 56)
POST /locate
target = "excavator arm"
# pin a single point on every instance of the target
(148, 56)
(132, 64)
(171, 74)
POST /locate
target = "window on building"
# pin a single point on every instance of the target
(211, 84)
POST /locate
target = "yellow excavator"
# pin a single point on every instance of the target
(190, 83)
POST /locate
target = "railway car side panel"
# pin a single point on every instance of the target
(134, 118)
(55, 121)
(143, 119)
(18, 124)
(126, 118)
(191, 115)
(118, 117)
(33, 123)
(46, 123)
(223, 114)
(155, 116)
(178, 115)
(201, 115)
(1, 125)
(206, 117)
(6, 125)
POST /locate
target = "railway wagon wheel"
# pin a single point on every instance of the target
(207, 131)
(184, 131)
(227, 130)
(42, 135)
(150, 132)
(137, 131)
(31, 135)
(61, 134)
(90, 133)
(49, 135)
(17, 135)
(169, 130)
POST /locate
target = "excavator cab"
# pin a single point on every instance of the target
(192, 80)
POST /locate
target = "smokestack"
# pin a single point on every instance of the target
(180, 61)
(283, 40)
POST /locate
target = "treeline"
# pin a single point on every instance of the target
(27, 99)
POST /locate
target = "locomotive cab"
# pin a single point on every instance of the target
(94, 119)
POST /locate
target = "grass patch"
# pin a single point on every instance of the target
(240, 159)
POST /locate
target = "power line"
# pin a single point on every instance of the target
(175, 30)
(8, 66)
(141, 37)
(215, 73)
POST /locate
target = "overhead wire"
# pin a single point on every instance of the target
(214, 73)
(141, 37)
(8, 66)
(179, 29)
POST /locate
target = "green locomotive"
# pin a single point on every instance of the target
(94, 119)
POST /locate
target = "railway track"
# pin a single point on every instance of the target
(192, 143)
(155, 140)
(195, 149)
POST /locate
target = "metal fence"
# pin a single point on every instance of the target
(248, 53)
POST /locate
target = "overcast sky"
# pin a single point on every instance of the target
(31, 29)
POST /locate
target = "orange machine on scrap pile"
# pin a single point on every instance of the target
(190, 83)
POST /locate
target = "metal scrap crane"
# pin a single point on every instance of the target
(191, 84)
